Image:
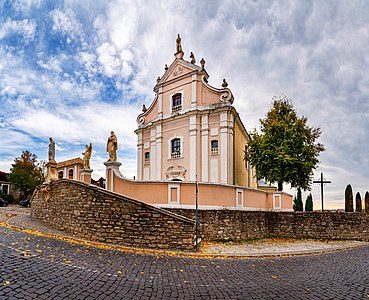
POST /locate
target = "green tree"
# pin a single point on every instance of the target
(366, 200)
(349, 199)
(298, 205)
(309, 203)
(359, 205)
(26, 173)
(286, 149)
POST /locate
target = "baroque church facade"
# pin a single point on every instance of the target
(190, 141)
(191, 131)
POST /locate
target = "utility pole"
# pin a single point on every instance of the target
(197, 216)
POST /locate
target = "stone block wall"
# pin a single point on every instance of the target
(227, 224)
(94, 214)
(241, 225)
(325, 225)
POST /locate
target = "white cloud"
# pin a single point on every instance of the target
(111, 63)
(25, 5)
(26, 28)
(65, 22)
(314, 52)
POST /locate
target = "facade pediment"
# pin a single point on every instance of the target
(179, 69)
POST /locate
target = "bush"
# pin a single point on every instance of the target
(359, 205)
(366, 200)
(8, 198)
(299, 206)
(309, 203)
(349, 199)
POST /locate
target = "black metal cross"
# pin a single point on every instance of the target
(322, 181)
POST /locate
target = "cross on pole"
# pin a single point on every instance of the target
(321, 182)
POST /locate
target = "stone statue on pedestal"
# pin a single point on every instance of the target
(112, 146)
(86, 156)
(178, 44)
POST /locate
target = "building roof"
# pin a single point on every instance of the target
(3, 176)
(70, 162)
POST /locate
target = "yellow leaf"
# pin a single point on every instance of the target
(119, 272)
(274, 276)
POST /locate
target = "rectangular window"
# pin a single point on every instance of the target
(176, 148)
(214, 147)
(147, 158)
(176, 102)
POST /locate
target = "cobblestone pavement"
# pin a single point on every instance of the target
(37, 267)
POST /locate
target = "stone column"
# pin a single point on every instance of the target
(86, 175)
(111, 168)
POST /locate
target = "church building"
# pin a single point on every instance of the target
(192, 129)
(190, 141)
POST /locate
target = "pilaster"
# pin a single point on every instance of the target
(159, 139)
(153, 154)
(224, 147)
(205, 148)
(193, 84)
(193, 148)
(139, 156)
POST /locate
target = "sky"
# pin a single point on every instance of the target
(76, 69)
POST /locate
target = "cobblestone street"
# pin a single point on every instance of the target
(36, 267)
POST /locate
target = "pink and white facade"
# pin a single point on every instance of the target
(192, 133)
(191, 128)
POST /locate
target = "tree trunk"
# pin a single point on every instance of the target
(280, 186)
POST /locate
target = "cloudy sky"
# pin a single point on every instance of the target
(77, 69)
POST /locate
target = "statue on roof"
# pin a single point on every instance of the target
(193, 60)
(86, 156)
(202, 62)
(178, 44)
(225, 83)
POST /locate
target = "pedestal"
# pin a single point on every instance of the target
(86, 175)
(52, 173)
(111, 168)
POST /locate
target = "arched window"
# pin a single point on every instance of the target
(60, 175)
(214, 147)
(70, 174)
(176, 102)
(176, 148)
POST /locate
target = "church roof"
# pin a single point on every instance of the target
(69, 162)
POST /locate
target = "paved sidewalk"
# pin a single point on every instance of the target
(20, 217)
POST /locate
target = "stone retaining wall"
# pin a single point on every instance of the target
(94, 214)
(228, 224)
(326, 225)
(242, 225)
